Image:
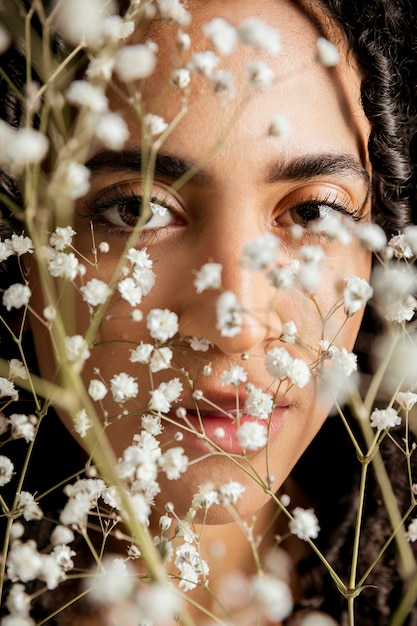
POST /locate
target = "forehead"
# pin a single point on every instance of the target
(321, 105)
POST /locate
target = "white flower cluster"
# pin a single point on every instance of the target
(20, 148)
(280, 364)
(141, 277)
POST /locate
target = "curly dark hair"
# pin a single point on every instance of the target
(382, 34)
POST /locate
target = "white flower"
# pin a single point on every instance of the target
(82, 423)
(289, 332)
(114, 581)
(28, 507)
(200, 344)
(222, 35)
(327, 53)
(61, 535)
(7, 388)
(299, 373)
(174, 10)
(73, 178)
(142, 353)
(181, 78)
(312, 254)
(16, 296)
(61, 238)
(205, 498)
(21, 244)
(81, 22)
(272, 597)
(115, 28)
(18, 603)
(222, 82)
(173, 462)
(95, 292)
(406, 399)
(356, 294)
(385, 418)
(282, 277)
(135, 62)
(162, 324)
(165, 395)
(278, 362)
(230, 493)
(208, 277)
(410, 236)
(229, 314)
(154, 125)
(49, 313)
(160, 359)
(260, 75)
(260, 35)
(17, 369)
(123, 387)
(345, 362)
(76, 349)
(260, 252)
(400, 246)
(28, 146)
(411, 533)
(304, 524)
(152, 424)
(203, 63)
(130, 291)
(371, 236)
(252, 435)
(234, 376)
(112, 131)
(279, 126)
(23, 426)
(23, 561)
(6, 250)
(183, 41)
(6, 470)
(63, 556)
(157, 604)
(81, 93)
(190, 564)
(258, 403)
(63, 265)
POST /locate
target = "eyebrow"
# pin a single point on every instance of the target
(174, 169)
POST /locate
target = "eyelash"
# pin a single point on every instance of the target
(334, 204)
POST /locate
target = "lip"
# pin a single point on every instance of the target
(199, 428)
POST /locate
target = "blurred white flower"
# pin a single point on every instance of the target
(229, 314)
(154, 125)
(234, 376)
(83, 23)
(18, 603)
(160, 359)
(261, 252)
(23, 561)
(62, 535)
(385, 418)
(200, 344)
(222, 82)
(113, 582)
(76, 349)
(5, 38)
(26, 146)
(356, 294)
(142, 353)
(82, 423)
(173, 462)
(61, 238)
(279, 126)
(221, 34)
(81, 93)
(17, 369)
(394, 286)
(23, 426)
(327, 53)
(95, 292)
(289, 332)
(260, 35)
(7, 388)
(371, 236)
(112, 131)
(16, 296)
(135, 62)
(181, 78)
(260, 75)
(230, 493)
(272, 597)
(190, 565)
(71, 179)
(252, 435)
(411, 533)
(304, 524)
(6, 470)
(203, 63)
(208, 277)
(278, 362)
(174, 10)
(406, 399)
(27, 506)
(299, 373)
(400, 246)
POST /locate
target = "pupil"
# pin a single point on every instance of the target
(130, 211)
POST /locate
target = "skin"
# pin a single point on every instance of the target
(234, 199)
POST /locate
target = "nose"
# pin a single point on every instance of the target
(205, 314)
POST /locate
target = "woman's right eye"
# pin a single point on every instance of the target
(122, 207)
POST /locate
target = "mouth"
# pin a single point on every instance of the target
(216, 429)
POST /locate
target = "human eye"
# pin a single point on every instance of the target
(120, 208)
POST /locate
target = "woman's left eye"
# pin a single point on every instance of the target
(313, 212)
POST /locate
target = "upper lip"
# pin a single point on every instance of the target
(226, 402)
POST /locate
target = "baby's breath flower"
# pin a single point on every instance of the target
(173, 462)
(406, 399)
(222, 82)
(61, 535)
(162, 324)
(18, 603)
(260, 253)
(200, 344)
(345, 362)
(97, 390)
(234, 376)
(27, 147)
(371, 236)
(260, 35)
(327, 53)
(165, 395)
(272, 597)
(7, 388)
(260, 75)
(203, 63)
(81, 93)
(221, 34)
(112, 131)
(183, 41)
(385, 418)
(123, 387)
(393, 292)
(252, 435)
(160, 359)
(180, 78)
(6, 470)
(400, 246)
(289, 332)
(230, 493)
(219, 433)
(17, 369)
(49, 313)
(299, 373)
(304, 524)
(278, 362)
(356, 294)
(205, 498)
(23, 426)
(5, 39)
(282, 277)
(79, 22)
(410, 236)
(154, 125)
(113, 582)
(130, 291)
(190, 565)
(82, 423)
(135, 62)
(76, 349)
(208, 277)
(152, 424)
(411, 533)
(258, 403)
(174, 10)
(16, 296)
(72, 179)
(142, 353)
(229, 314)
(279, 126)
(27, 506)
(21, 244)
(63, 556)
(23, 561)
(61, 238)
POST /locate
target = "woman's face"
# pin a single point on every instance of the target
(247, 183)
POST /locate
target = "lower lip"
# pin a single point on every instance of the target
(209, 423)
